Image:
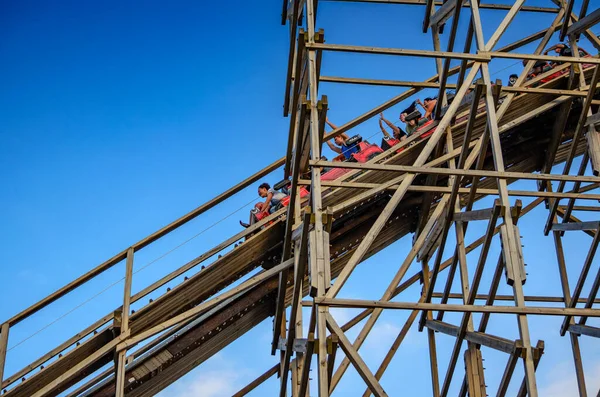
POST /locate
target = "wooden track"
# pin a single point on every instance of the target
(158, 366)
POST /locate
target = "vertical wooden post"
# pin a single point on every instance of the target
(3, 348)
(120, 359)
(474, 372)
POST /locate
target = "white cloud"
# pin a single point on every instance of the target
(221, 380)
(207, 384)
(563, 383)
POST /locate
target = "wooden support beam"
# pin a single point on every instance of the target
(291, 53)
(474, 372)
(410, 53)
(593, 146)
(522, 310)
(584, 23)
(589, 225)
(305, 374)
(528, 298)
(594, 119)
(467, 4)
(296, 298)
(4, 331)
(429, 10)
(565, 24)
(360, 366)
(444, 12)
(539, 351)
(480, 338)
(450, 47)
(333, 342)
(121, 355)
(258, 381)
(591, 296)
(581, 329)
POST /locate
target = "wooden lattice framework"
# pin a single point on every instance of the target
(450, 179)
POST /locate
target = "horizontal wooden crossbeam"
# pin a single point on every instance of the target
(534, 310)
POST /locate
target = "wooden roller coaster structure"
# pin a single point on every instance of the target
(485, 138)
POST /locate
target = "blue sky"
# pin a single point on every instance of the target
(119, 117)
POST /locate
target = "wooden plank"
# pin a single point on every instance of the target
(4, 331)
(592, 120)
(417, 84)
(474, 372)
(474, 215)
(589, 225)
(593, 146)
(480, 338)
(127, 290)
(120, 356)
(334, 340)
(547, 58)
(444, 12)
(403, 52)
(536, 361)
(565, 25)
(306, 368)
(581, 329)
(490, 6)
(584, 23)
(291, 53)
(523, 310)
(429, 9)
(362, 368)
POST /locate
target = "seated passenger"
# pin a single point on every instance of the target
(538, 68)
(340, 141)
(410, 116)
(413, 122)
(428, 105)
(398, 132)
(512, 79)
(271, 204)
(562, 50)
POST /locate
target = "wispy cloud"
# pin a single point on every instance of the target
(563, 383)
(221, 380)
